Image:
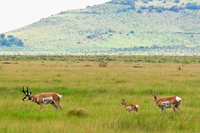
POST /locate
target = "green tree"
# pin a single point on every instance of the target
(20, 43)
(150, 8)
(174, 8)
(159, 9)
(139, 11)
(5, 42)
(176, 1)
(2, 35)
(192, 6)
(10, 40)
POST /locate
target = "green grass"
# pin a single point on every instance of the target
(99, 90)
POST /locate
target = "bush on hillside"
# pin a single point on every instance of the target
(139, 11)
(174, 8)
(192, 6)
(143, 7)
(159, 9)
(176, 1)
(145, 1)
(150, 8)
(2, 35)
(123, 2)
(10, 40)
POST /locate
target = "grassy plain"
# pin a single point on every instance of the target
(84, 84)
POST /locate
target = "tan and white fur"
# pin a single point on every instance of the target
(167, 102)
(130, 107)
(43, 98)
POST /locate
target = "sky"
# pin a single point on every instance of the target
(15, 14)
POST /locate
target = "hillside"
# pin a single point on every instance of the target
(117, 27)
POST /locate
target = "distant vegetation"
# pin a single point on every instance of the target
(102, 60)
(175, 8)
(119, 26)
(10, 40)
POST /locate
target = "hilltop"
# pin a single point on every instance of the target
(117, 27)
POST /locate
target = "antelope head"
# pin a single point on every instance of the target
(154, 95)
(27, 94)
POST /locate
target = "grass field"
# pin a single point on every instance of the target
(99, 90)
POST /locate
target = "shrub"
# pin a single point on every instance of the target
(150, 8)
(145, 1)
(192, 6)
(10, 40)
(139, 11)
(132, 32)
(77, 112)
(174, 8)
(2, 35)
(159, 9)
(103, 64)
(176, 1)
(143, 7)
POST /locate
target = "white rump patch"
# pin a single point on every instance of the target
(59, 95)
(178, 99)
(137, 106)
(47, 99)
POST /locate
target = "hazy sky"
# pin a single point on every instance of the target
(18, 13)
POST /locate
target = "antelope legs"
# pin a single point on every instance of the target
(177, 107)
(163, 108)
(56, 105)
(41, 107)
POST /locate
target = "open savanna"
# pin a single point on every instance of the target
(98, 84)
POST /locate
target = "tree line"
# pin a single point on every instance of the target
(174, 8)
(10, 40)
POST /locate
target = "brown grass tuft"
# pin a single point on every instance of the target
(77, 112)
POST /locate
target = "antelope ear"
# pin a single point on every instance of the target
(157, 93)
(123, 100)
(30, 92)
(151, 93)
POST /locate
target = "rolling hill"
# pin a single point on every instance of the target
(150, 27)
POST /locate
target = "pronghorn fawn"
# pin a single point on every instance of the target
(43, 98)
(130, 107)
(167, 102)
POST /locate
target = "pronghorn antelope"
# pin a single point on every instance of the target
(43, 98)
(167, 102)
(130, 107)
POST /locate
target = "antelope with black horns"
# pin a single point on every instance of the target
(43, 98)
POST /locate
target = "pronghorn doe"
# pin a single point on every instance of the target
(130, 107)
(43, 98)
(167, 102)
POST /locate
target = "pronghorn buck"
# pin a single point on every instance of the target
(167, 102)
(43, 98)
(130, 107)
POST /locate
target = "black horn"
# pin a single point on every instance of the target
(23, 90)
(27, 90)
